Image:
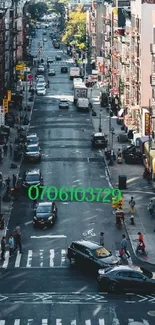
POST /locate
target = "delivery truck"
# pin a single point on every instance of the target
(80, 91)
(83, 104)
(74, 72)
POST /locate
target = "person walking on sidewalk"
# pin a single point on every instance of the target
(8, 181)
(5, 147)
(140, 236)
(102, 238)
(11, 148)
(132, 204)
(124, 246)
(3, 248)
(11, 245)
(151, 208)
(14, 179)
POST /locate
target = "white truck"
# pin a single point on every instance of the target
(83, 104)
(74, 72)
(80, 91)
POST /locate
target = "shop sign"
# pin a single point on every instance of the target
(148, 124)
(9, 95)
(5, 105)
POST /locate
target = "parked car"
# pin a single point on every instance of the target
(41, 91)
(128, 149)
(32, 139)
(32, 177)
(134, 158)
(99, 140)
(63, 103)
(42, 83)
(64, 69)
(58, 57)
(45, 214)
(51, 72)
(126, 278)
(50, 60)
(32, 152)
(40, 77)
(92, 255)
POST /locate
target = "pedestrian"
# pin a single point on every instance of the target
(140, 236)
(18, 243)
(124, 246)
(11, 148)
(3, 248)
(5, 147)
(132, 204)
(151, 207)
(11, 245)
(102, 238)
(8, 181)
(14, 179)
(141, 247)
(34, 204)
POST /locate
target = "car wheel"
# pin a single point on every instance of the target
(112, 287)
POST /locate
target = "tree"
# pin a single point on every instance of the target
(76, 29)
(37, 10)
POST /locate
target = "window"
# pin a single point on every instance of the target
(101, 252)
(122, 274)
(135, 275)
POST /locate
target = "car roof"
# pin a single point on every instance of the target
(31, 145)
(127, 268)
(32, 171)
(99, 134)
(88, 244)
(45, 203)
(33, 135)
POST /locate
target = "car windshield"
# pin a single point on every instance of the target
(44, 209)
(33, 149)
(32, 141)
(99, 138)
(32, 178)
(41, 88)
(101, 252)
(146, 273)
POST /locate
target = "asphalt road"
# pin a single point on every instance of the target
(41, 280)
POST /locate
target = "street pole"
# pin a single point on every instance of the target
(109, 105)
(100, 121)
(26, 90)
(149, 133)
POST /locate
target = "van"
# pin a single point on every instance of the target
(83, 104)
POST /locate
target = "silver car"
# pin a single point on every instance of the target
(32, 153)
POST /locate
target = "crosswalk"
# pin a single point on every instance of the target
(54, 258)
(59, 321)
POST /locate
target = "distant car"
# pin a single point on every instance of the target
(91, 254)
(50, 60)
(41, 91)
(126, 278)
(40, 77)
(51, 72)
(32, 152)
(45, 40)
(41, 68)
(32, 177)
(32, 139)
(45, 214)
(64, 69)
(63, 103)
(40, 83)
(99, 140)
(58, 57)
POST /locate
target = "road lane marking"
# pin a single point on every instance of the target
(29, 259)
(17, 322)
(49, 236)
(51, 257)
(28, 223)
(63, 256)
(44, 321)
(41, 257)
(6, 262)
(2, 322)
(101, 321)
(58, 321)
(73, 322)
(88, 322)
(18, 259)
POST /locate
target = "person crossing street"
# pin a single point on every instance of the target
(124, 247)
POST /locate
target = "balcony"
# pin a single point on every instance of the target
(152, 80)
(152, 49)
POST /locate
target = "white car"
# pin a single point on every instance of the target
(40, 77)
(45, 40)
(41, 91)
(41, 83)
(41, 68)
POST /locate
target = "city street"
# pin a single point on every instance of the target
(39, 286)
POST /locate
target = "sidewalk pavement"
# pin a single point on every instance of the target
(5, 167)
(136, 187)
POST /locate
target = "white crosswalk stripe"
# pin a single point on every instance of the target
(59, 321)
(41, 258)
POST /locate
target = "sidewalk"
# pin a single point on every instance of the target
(5, 167)
(136, 186)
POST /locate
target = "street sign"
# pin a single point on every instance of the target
(2, 116)
(5, 105)
(9, 95)
(30, 77)
(19, 67)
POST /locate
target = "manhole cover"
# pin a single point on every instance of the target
(151, 313)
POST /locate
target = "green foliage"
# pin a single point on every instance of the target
(76, 29)
(37, 10)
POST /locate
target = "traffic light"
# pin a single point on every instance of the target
(114, 203)
(120, 204)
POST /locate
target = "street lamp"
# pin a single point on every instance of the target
(100, 121)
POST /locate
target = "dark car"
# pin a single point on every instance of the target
(134, 158)
(64, 69)
(32, 177)
(58, 57)
(99, 140)
(63, 103)
(91, 254)
(126, 278)
(32, 152)
(128, 149)
(45, 214)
